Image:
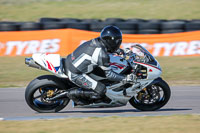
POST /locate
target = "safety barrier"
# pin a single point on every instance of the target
(64, 41)
(127, 26)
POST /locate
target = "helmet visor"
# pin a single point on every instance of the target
(114, 44)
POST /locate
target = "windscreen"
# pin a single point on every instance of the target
(142, 55)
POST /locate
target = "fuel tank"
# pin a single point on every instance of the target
(117, 63)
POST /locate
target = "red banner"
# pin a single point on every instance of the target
(64, 41)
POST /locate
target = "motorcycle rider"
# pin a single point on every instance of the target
(90, 55)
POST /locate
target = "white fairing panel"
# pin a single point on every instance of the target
(153, 73)
(50, 62)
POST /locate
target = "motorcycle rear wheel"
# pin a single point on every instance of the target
(152, 100)
(38, 91)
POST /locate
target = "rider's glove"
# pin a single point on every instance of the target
(120, 51)
(127, 51)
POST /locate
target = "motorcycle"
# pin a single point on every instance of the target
(148, 91)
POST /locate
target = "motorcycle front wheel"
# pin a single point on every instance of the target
(152, 97)
(40, 89)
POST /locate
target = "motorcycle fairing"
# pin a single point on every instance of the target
(152, 72)
(119, 97)
(50, 62)
(117, 63)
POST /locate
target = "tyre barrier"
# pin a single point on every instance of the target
(172, 31)
(114, 20)
(9, 27)
(135, 20)
(127, 26)
(27, 26)
(53, 25)
(172, 25)
(157, 20)
(91, 20)
(43, 20)
(98, 26)
(69, 20)
(80, 26)
(192, 26)
(149, 31)
(149, 26)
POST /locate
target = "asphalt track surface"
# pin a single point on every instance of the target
(184, 100)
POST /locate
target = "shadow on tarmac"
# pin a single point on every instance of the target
(122, 111)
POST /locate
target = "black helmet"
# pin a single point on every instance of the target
(111, 36)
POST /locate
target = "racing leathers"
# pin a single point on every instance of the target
(84, 60)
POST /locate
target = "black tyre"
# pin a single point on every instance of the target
(149, 26)
(152, 97)
(172, 25)
(53, 25)
(44, 20)
(114, 20)
(99, 26)
(135, 20)
(96, 30)
(191, 26)
(90, 20)
(189, 30)
(129, 31)
(149, 31)
(195, 20)
(172, 31)
(81, 26)
(70, 20)
(9, 27)
(156, 20)
(40, 89)
(27, 26)
(178, 21)
(126, 26)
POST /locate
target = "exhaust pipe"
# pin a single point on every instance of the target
(31, 63)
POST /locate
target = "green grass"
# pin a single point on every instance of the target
(32, 10)
(14, 72)
(181, 70)
(149, 124)
(176, 70)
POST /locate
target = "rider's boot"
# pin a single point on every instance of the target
(78, 95)
(78, 92)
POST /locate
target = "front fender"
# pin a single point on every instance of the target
(159, 79)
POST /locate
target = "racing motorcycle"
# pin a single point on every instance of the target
(148, 91)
